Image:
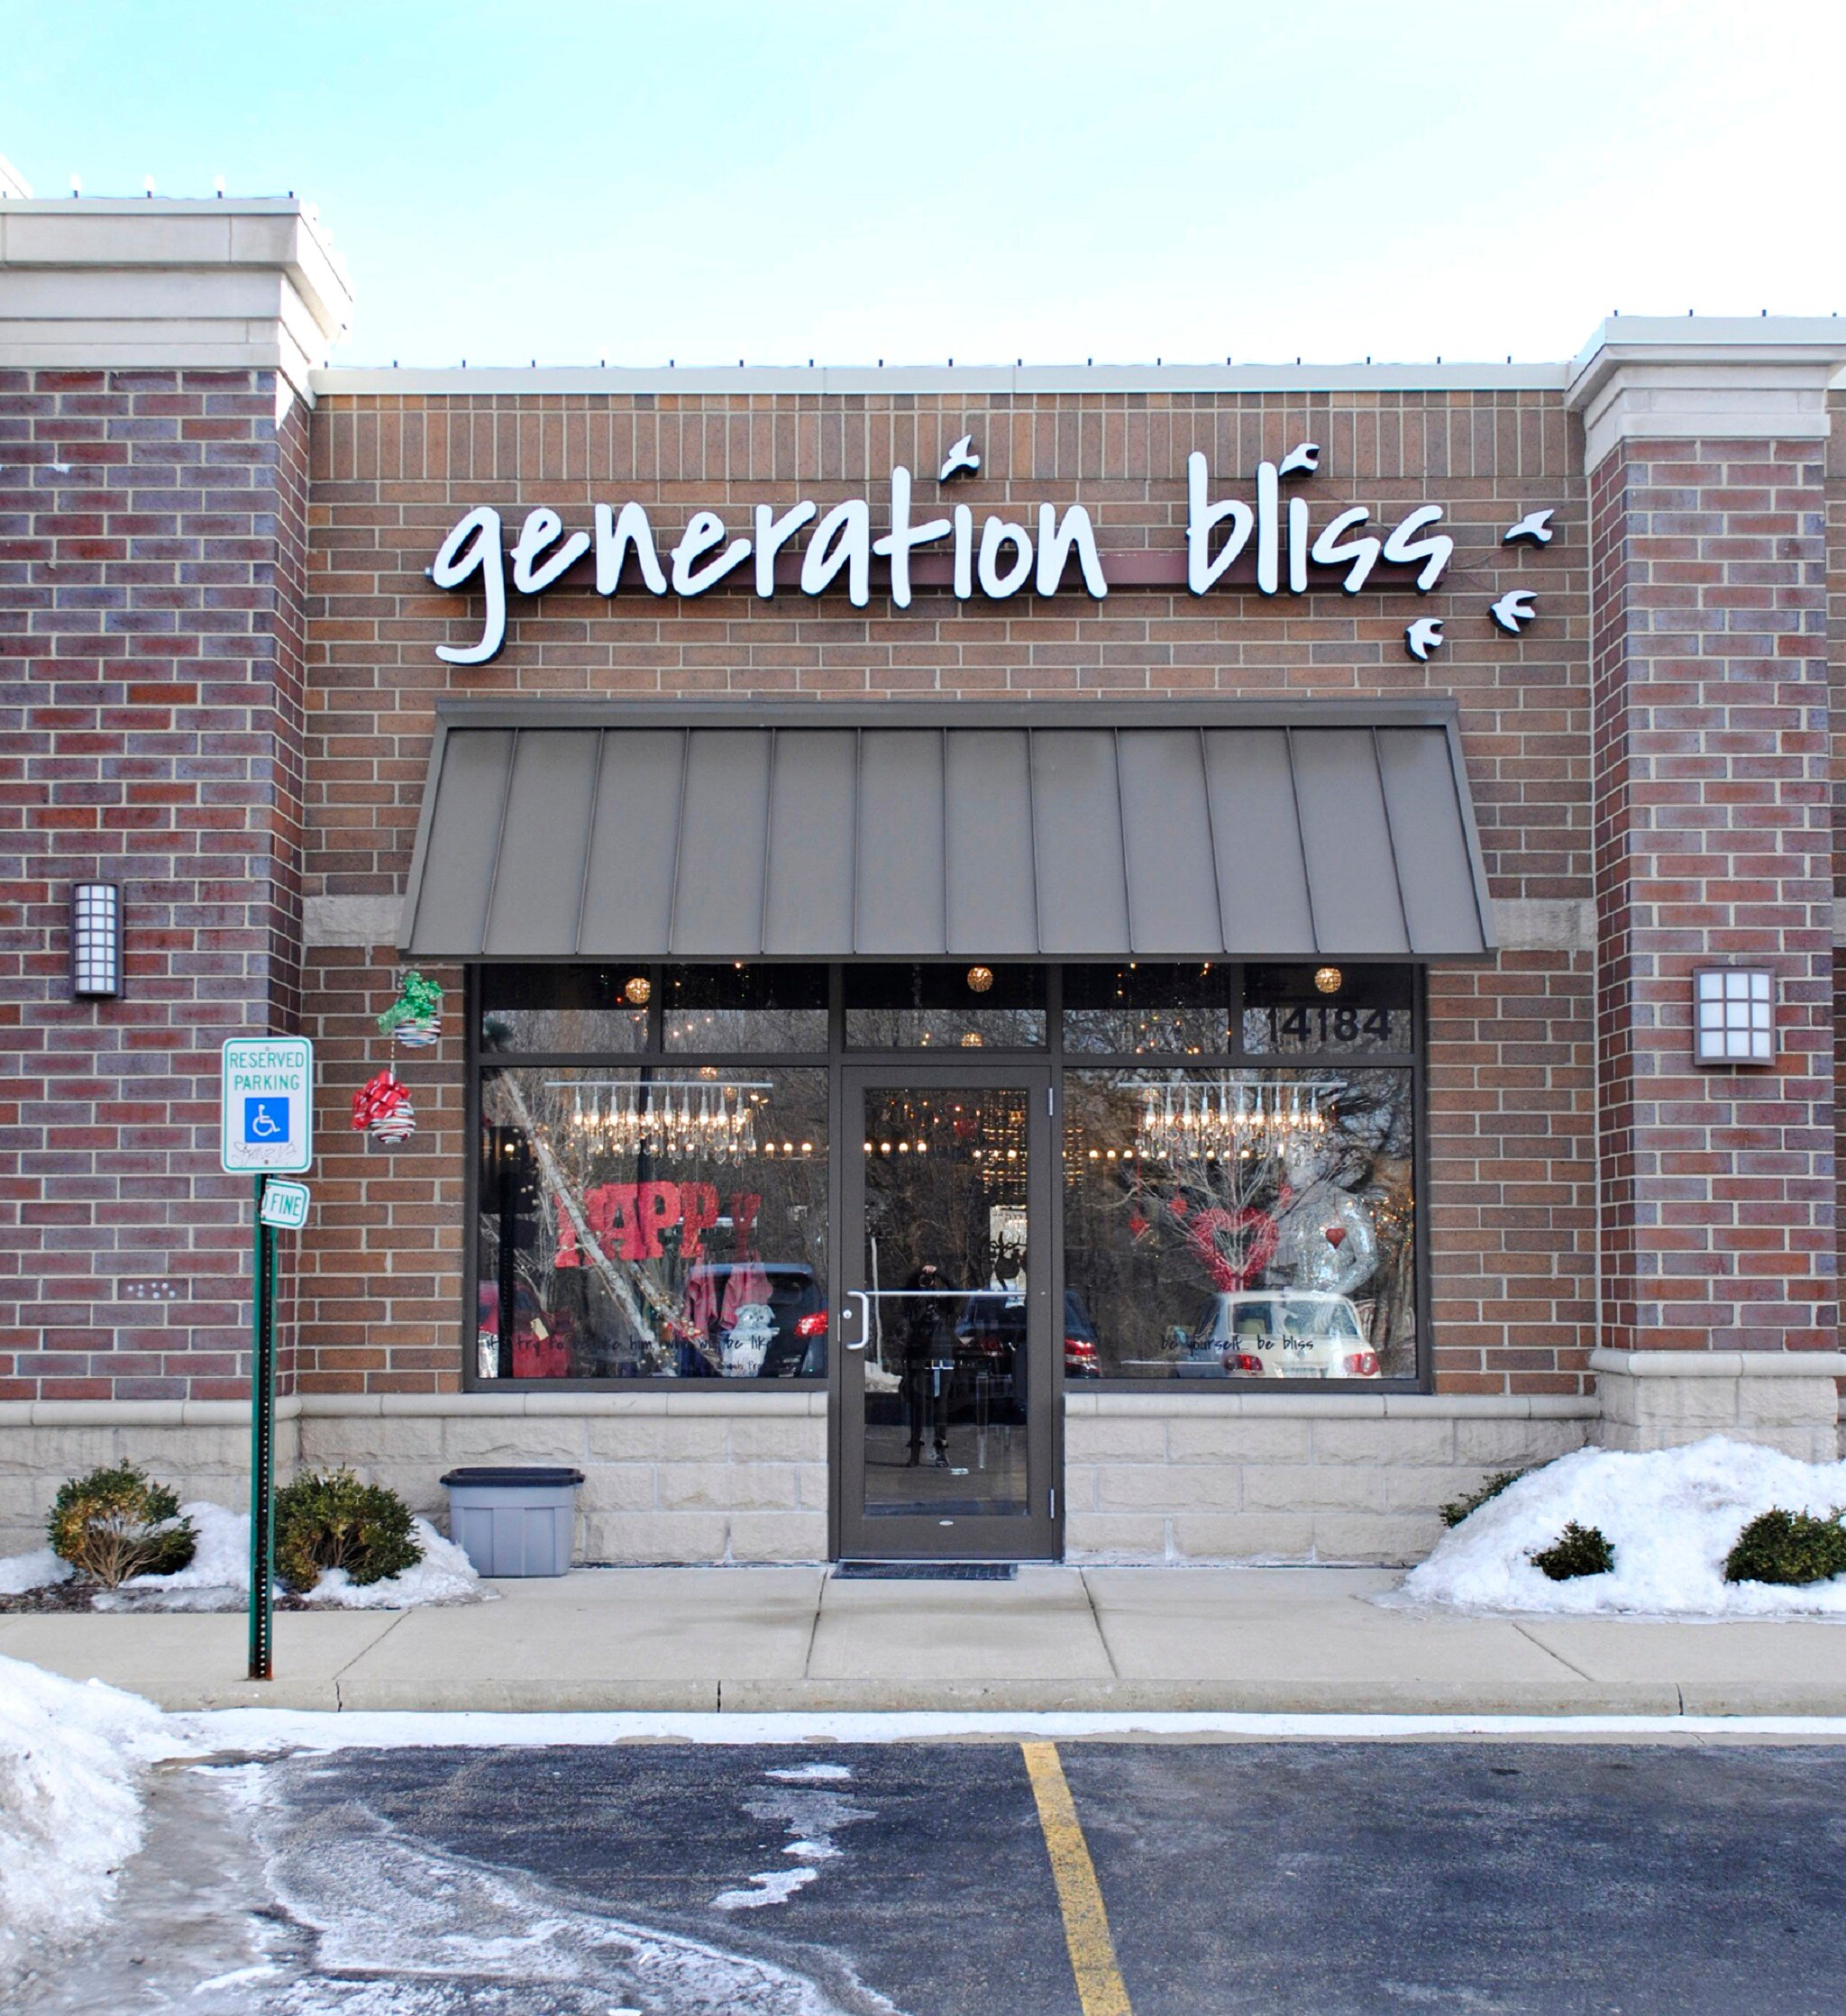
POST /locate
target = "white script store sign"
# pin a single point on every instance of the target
(1003, 558)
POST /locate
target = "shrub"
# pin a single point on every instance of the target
(329, 1520)
(1578, 1550)
(1787, 1547)
(1457, 1508)
(118, 1522)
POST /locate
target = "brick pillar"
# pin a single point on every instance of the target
(1714, 846)
(153, 529)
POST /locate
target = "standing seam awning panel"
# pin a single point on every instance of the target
(828, 841)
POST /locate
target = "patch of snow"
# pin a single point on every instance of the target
(445, 1575)
(217, 1577)
(1670, 1515)
(772, 1886)
(403, 1930)
(810, 1816)
(37, 1570)
(71, 1756)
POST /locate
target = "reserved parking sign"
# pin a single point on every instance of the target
(267, 1106)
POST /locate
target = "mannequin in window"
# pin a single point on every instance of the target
(1325, 1242)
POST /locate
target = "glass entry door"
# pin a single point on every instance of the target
(947, 1400)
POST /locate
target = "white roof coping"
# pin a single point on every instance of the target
(1725, 342)
(171, 283)
(956, 381)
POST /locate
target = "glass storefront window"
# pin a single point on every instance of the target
(592, 1010)
(656, 1161)
(717, 1009)
(1140, 1010)
(969, 1006)
(652, 1222)
(1356, 1011)
(1242, 1223)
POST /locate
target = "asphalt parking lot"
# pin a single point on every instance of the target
(683, 1880)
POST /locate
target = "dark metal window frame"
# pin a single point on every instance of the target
(1049, 1056)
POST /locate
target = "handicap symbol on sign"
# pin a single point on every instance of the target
(265, 1120)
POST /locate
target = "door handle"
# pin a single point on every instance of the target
(864, 1301)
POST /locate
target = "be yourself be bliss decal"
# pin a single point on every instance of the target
(1286, 554)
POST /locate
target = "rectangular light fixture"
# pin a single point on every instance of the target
(1733, 1016)
(96, 940)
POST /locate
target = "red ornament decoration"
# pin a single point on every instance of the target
(383, 1106)
(1334, 1235)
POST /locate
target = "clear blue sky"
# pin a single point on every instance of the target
(980, 178)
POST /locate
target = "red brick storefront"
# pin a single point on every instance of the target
(223, 681)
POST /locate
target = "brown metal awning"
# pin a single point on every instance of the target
(1011, 830)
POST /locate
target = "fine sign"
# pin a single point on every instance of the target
(267, 1105)
(285, 1205)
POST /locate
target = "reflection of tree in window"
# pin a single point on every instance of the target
(679, 1227)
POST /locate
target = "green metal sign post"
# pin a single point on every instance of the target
(262, 1447)
(267, 1130)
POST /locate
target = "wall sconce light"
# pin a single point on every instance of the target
(1733, 1016)
(96, 940)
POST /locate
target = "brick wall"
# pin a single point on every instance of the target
(1713, 842)
(1511, 1195)
(151, 549)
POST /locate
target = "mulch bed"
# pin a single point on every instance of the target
(57, 1596)
(66, 1596)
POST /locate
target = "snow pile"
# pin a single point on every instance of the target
(71, 1759)
(1671, 1516)
(217, 1577)
(443, 1575)
(40, 1569)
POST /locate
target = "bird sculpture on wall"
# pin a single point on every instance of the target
(1424, 636)
(960, 457)
(1513, 610)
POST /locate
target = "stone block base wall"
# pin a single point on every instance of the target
(717, 1477)
(1655, 1400)
(668, 1477)
(1346, 1479)
(200, 1447)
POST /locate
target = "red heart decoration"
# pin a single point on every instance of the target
(1335, 1235)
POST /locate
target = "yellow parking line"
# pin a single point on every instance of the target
(1099, 1985)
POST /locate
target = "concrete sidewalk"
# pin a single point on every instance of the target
(758, 1639)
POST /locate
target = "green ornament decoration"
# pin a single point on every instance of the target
(414, 1019)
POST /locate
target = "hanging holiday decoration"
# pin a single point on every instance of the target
(1207, 1121)
(382, 1107)
(414, 1019)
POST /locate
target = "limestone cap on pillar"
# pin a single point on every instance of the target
(170, 284)
(1717, 377)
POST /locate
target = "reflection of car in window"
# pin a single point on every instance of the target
(759, 1319)
(992, 1326)
(1277, 1336)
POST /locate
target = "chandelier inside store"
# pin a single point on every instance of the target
(667, 1116)
(1221, 1120)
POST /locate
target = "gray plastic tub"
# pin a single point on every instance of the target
(516, 1521)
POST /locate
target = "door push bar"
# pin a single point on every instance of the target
(863, 1298)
